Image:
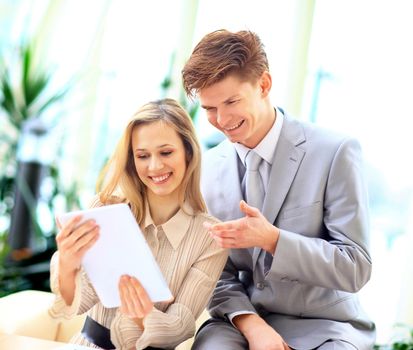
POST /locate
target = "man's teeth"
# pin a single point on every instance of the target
(160, 178)
(234, 127)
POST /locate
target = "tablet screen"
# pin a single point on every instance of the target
(121, 249)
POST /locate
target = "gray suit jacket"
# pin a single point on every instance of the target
(317, 197)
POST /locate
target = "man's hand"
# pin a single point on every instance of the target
(259, 334)
(253, 230)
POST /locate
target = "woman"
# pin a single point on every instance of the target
(156, 170)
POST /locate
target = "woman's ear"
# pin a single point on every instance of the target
(265, 83)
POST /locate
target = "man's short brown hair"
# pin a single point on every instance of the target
(221, 53)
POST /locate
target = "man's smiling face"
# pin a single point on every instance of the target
(235, 107)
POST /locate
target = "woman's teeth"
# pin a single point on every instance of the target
(160, 178)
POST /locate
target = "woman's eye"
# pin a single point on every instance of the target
(166, 153)
(142, 156)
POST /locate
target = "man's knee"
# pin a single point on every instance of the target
(219, 334)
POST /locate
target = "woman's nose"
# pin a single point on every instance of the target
(155, 163)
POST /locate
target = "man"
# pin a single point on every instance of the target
(299, 248)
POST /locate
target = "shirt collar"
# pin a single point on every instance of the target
(266, 148)
(176, 227)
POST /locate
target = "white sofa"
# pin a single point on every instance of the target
(25, 313)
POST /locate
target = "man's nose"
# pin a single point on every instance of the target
(222, 118)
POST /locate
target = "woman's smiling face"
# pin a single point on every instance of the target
(159, 157)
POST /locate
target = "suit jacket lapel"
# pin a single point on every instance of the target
(287, 160)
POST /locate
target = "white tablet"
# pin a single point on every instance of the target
(121, 249)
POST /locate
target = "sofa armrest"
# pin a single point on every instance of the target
(25, 313)
(68, 328)
(187, 344)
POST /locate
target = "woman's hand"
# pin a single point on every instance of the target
(73, 241)
(135, 301)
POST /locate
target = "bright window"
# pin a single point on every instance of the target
(360, 81)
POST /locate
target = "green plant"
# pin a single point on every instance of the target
(25, 96)
(26, 99)
(191, 107)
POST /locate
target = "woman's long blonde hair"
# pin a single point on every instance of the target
(119, 181)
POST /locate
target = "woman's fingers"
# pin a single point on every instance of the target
(130, 304)
(82, 231)
(135, 301)
(69, 236)
(143, 296)
(74, 240)
(67, 229)
(87, 241)
(123, 297)
(58, 224)
(126, 306)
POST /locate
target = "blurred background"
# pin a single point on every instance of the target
(72, 73)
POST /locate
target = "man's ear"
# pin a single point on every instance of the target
(265, 83)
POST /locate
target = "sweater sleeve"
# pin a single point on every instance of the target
(84, 297)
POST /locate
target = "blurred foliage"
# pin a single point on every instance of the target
(25, 95)
(27, 99)
(192, 107)
(404, 335)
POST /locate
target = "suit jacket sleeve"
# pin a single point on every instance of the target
(230, 294)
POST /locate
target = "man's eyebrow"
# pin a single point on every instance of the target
(225, 101)
(231, 98)
(205, 107)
